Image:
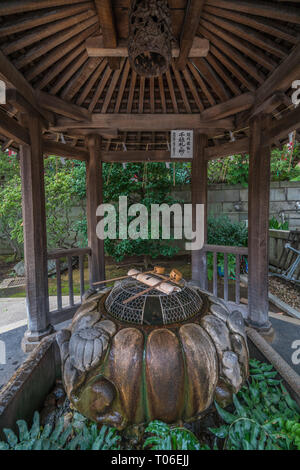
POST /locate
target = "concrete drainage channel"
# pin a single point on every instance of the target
(27, 389)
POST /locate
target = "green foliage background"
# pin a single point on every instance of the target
(149, 183)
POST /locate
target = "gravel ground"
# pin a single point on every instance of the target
(285, 291)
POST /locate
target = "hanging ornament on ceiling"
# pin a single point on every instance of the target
(150, 36)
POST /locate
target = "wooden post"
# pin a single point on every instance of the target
(35, 239)
(94, 188)
(258, 245)
(199, 196)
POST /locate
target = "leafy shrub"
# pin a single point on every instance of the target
(75, 436)
(63, 191)
(222, 231)
(146, 184)
(235, 169)
(265, 416)
(163, 437)
(275, 225)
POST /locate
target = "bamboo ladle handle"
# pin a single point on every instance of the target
(159, 270)
(174, 277)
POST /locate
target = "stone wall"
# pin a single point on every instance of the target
(233, 201)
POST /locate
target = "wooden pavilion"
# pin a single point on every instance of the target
(72, 91)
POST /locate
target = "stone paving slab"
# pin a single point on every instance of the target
(13, 310)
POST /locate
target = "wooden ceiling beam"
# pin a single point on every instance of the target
(201, 83)
(191, 22)
(108, 28)
(38, 34)
(13, 130)
(142, 94)
(193, 89)
(225, 150)
(246, 33)
(181, 89)
(57, 68)
(268, 106)
(14, 79)
(265, 9)
(59, 106)
(69, 72)
(265, 25)
(122, 86)
(253, 52)
(232, 53)
(105, 133)
(6, 144)
(162, 94)
(146, 122)
(112, 87)
(39, 19)
(49, 44)
(172, 91)
(22, 105)
(230, 107)
(212, 78)
(80, 78)
(91, 82)
(288, 123)
(282, 77)
(231, 67)
(101, 85)
(64, 150)
(59, 52)
(131, 91)
(13, 7)
(222, 72)
(95, 47)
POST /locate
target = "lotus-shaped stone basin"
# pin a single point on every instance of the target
(121, 374)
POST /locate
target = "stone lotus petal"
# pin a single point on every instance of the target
(231, 370)
(220, 312)
(219, 333)
(88, 345)
(217, 301)
(236, 323)
(239, 346)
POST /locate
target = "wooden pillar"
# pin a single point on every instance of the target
(94, 189)
(199, 196)
(258, 215)
(35, 239)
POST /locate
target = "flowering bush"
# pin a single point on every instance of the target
(285, 166)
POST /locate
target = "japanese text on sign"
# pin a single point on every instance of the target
(182, 144)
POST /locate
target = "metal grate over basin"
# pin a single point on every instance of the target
(153, 308)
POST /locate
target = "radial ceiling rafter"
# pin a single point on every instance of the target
(46, 42)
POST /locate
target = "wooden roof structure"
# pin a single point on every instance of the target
(71, 91)
(66, 61)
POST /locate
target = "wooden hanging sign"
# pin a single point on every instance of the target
(182, 144)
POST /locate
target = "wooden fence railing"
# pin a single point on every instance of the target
(68, 257)
(65, 312)
(238, 252)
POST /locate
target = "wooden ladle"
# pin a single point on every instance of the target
(174, 277)
(159, 270)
